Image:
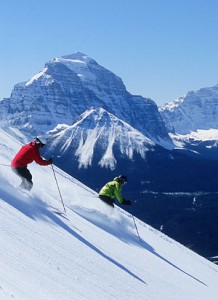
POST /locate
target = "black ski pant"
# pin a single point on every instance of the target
(107, 200)
(25, 176)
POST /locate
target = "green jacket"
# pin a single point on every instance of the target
(112, 189)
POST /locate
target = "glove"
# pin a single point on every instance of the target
(126, 202)
(50, 160)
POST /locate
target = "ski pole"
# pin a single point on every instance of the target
(58, 187)
(136, 226)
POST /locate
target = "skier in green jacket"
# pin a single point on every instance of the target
(113, 189)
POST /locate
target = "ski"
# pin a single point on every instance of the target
(62, 214)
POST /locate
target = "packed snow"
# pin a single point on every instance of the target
(92, 252)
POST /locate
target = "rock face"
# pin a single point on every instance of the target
(192, 121)
(196, 111)
(66, 88)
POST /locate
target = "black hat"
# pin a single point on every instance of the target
(122, 179)
(39, 143)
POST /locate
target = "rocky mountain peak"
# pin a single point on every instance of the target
(76, 56)
(197, 110)
(68, 86)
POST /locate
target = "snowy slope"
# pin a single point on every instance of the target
(92, 253)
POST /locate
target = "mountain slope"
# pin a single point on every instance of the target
(97, 131)
(92, 253)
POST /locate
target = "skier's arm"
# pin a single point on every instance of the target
(118, 195)
(39, 160)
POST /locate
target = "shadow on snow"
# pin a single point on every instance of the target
(37, 209)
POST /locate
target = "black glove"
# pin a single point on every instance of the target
(50, 160)
(126, 202)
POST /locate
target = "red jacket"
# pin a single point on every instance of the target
(26, 155)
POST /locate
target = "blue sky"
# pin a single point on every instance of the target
(160, 48)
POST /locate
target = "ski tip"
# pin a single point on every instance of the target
(59, 213)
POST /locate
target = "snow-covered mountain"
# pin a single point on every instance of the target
(98, 132)
(66, 88)
(92, 252)
(196, 111)
(193, 120)
(93, 125)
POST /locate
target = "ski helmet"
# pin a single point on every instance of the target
(122, 179)
(39, 142)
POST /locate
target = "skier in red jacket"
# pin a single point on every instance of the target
(26, 155)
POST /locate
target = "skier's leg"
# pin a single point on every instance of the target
(25, 176)
(26, 183)
(107, 200)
